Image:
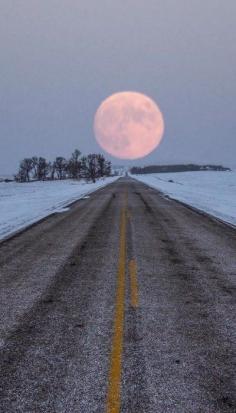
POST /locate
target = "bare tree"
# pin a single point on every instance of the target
(60, 167)
(51, 170)
(35, 165)
(95, 166)
(101, 165)
(83, 168)
(92, 166)
(89, 166)
(42, 169)
(74, 165)
(107, 168)
(24, 170)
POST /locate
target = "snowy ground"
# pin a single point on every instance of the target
(24, 204)
(212, 192)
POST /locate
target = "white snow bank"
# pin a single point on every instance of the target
(22, 204)
(210, 191)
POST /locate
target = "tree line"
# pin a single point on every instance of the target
(136, 170)
(88, 167)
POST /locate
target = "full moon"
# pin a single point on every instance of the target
(128, 125)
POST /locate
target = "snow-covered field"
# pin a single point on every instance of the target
(212, 192)
(26, 203)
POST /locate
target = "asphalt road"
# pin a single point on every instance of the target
(125, 303)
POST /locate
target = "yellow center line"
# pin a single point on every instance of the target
(133, 283)
(114, 385)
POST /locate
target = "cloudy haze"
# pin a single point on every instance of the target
(60, 59)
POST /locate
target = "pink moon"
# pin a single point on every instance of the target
(128, 125)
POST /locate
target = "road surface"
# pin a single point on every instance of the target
(125, 303)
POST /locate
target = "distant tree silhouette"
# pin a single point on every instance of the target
(95, 166)
(40, 168)
(43, 169)
(89, 167)
(101, 165)
(175, 168)
(35, 160)
(25, 169)
(60, 167)
(74, 165)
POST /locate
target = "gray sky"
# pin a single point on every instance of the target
(60, 59)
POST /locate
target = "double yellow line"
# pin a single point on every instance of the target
(114, 385)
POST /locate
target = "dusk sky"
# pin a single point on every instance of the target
(60, 59)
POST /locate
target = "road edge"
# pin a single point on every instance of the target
(192, 208)
(22, 230)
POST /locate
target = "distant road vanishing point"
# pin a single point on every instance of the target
(123, 304)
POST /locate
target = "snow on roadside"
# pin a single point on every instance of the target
(209, 191)
(22, 204)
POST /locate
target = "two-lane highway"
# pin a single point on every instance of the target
(125, 303)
